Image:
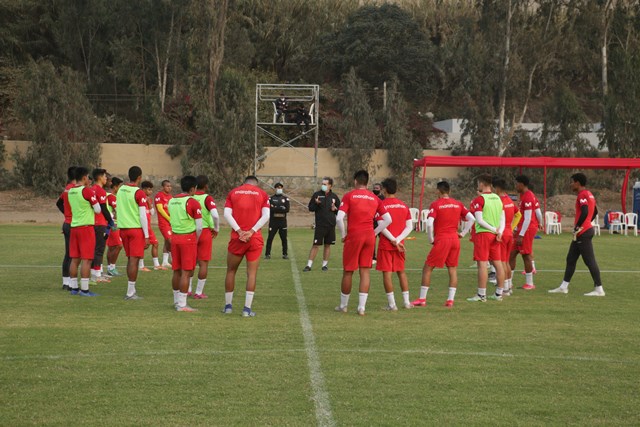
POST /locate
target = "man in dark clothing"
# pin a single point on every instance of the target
(281, 105)
(278, 220)
(302, 116)
(325, 205)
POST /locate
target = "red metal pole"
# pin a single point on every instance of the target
(424, 176)
(545, 199)
(413, 183)
(623, 194)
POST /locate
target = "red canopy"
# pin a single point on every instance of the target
(528, 162)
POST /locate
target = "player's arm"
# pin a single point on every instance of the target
(516, 220)
(503, 221)
(106, 213)
(383, 223)
(162, 212)
(539, 215)
(340, 224)
(526, 222)
(60, 204)
(216, 219)
(142, 213)
(386, 233)
(584, 213)
(264, 218)
(483, 223)
(468, 223)
(430, 221)
(228, 216)
(198, 228)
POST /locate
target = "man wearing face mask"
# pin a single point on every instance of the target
(325, 205)
(279, 204)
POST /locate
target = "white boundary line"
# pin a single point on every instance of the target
(324, 415)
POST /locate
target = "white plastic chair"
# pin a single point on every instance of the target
(424, 215)
(313, 105)
(553, 225)
(596, 225)
(415, 218)
(616, 221)
(631, 221)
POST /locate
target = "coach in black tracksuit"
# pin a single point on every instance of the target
(325, 205)
(278, 220)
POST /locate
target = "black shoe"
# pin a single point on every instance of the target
(325, 268)
(66, 288)
(267, 257)
(285, 256)
(307, 268)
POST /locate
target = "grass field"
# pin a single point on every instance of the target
(533, 359)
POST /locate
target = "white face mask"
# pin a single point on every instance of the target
(278, 190)
(324, 188)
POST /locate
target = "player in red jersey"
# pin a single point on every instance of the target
(147, 187)
(507, 243)
(63, 205)
(84, 205)
(164, 221)
(391, 250)
(586, 211)
(114, 241)
(103, 221)
(360, 206)
(210, 228)
(526, 230)
(246, 210)
(443, 222)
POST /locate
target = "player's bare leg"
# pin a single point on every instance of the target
(252, 277)
(325, 255)
(528, 269)
(132, 268)
(453, 286)
(203, 271)
(421, 301)
(482, 283)
(312, 256)
(404, 287)
(500, 274)
(365, 281)
(345, 291)
(85, 273)
(387, 281)
(233, 262)
(182, 279)
(507, 278)
(73, 274)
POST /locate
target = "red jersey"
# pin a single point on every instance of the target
(528, 202)
(111, 200)
(101, 195)
(162, 199)
(447, 214)
(65, 203)
(247, 202)
(400, 213)
(361, 207)
(585, 198)
(510, 210)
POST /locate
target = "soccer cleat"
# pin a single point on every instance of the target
(285, 256)
(389, 308)
(200, 296)
(66, 288)
(307, 268)
(88, 294)
(408, 306)
(420, 302)
(186, 309)
(360, 311)
(113, 272)
(74, 291)
(597, 292)
(495, 297)
(267, 257)
(103, 279)
(133, 297)
(167, 266)
(341, 309)
(477, 298)
(159, 267)
(559, 290)
(325, 268)
(247, 312)
(528, 287)
(227, 309)
(145, 269)
(507, 293)
(189, 294)
(449, 303)
(492, 278)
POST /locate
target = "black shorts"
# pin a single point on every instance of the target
(324, 236)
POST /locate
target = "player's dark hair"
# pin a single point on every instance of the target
(579, 178)
(443, 187)
(115, 181)
(523, 179)
(390, 185)
(328, 179)
(80, 173)
(500, 183)
(251, 179)
(146, 184)
(485, 179)
(201, 182)
(134, 173)
(166, 181)
(71, 173)
(361, 177)
(188, 182)
(98, 172)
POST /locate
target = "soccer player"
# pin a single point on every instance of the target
(186, 226)
(147, 187)
(164, 221)
(134, 227)
(582, 245)
(246, 210)
(506, 243)
(102, 223)
(114, 242)
(391, 250)
(325, 205)
(490, 222)
(84, 205)
(278, 220)
(526, 230)
(63, 205)
(360, 206)
(443, 220)
(210, 228)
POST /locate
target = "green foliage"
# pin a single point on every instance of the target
(60, 124)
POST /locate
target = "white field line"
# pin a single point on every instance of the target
(324, 416)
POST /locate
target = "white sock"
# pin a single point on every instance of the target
(362, 300)
(101, 269)
(512, 273)
(131, 288)
(165, 258)
(452, 294)
(200, 287)
(66, 280)
(228, 298)
(84, 284)
(98, 273)
(482, 292)
(73, 282)
(325, 263)
(492, 269)
(598, 288)
(405, 298)
(176, 294)
(248, 299)
(309, 263)
(141, 263)
(190, 282)
(94, 273)
(111, 266)
(344, 300)
(533, 264)
(423, 292)
(507, 284)
(156, 263)
(498, 291)
(391, 299)
(528, 278)
(564, 285)
(182, 299)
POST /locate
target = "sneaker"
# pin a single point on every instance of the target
(267, 257)
(597, 292)
(186, 309)
(528, 287)
(477, 298)
(145, 269)
(390, 308)
(113, 272)
(227, 309)
(200, 296)
(449, 303)
(408, 306)
(87, 294)
(307, 268)
(189, 294)
(103, 279)
(341, 309)
(247, 312)
(420, 302)
(74, 291)
(167, 266)
(559, 290)
(507, 293)
(66, 288)
(492, 278)
(325, 268)
(495, 297)
(285, 256)
(132, 297)
(159, 267)
(360, 311)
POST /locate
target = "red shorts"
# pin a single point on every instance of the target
(152, 236)
(358, 252)
(205, 244)
(184, 250)
(486, 247)
(390, 260)
(506, 246)
(133, 242)
(82, 242)
(251, 249)
(444, 252)
(114, 238)
(165, 230)
(526, 248)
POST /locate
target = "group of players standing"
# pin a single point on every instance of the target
(189, 222)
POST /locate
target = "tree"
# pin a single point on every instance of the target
(60, 123)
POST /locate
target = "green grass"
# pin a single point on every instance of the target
(534, 359)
